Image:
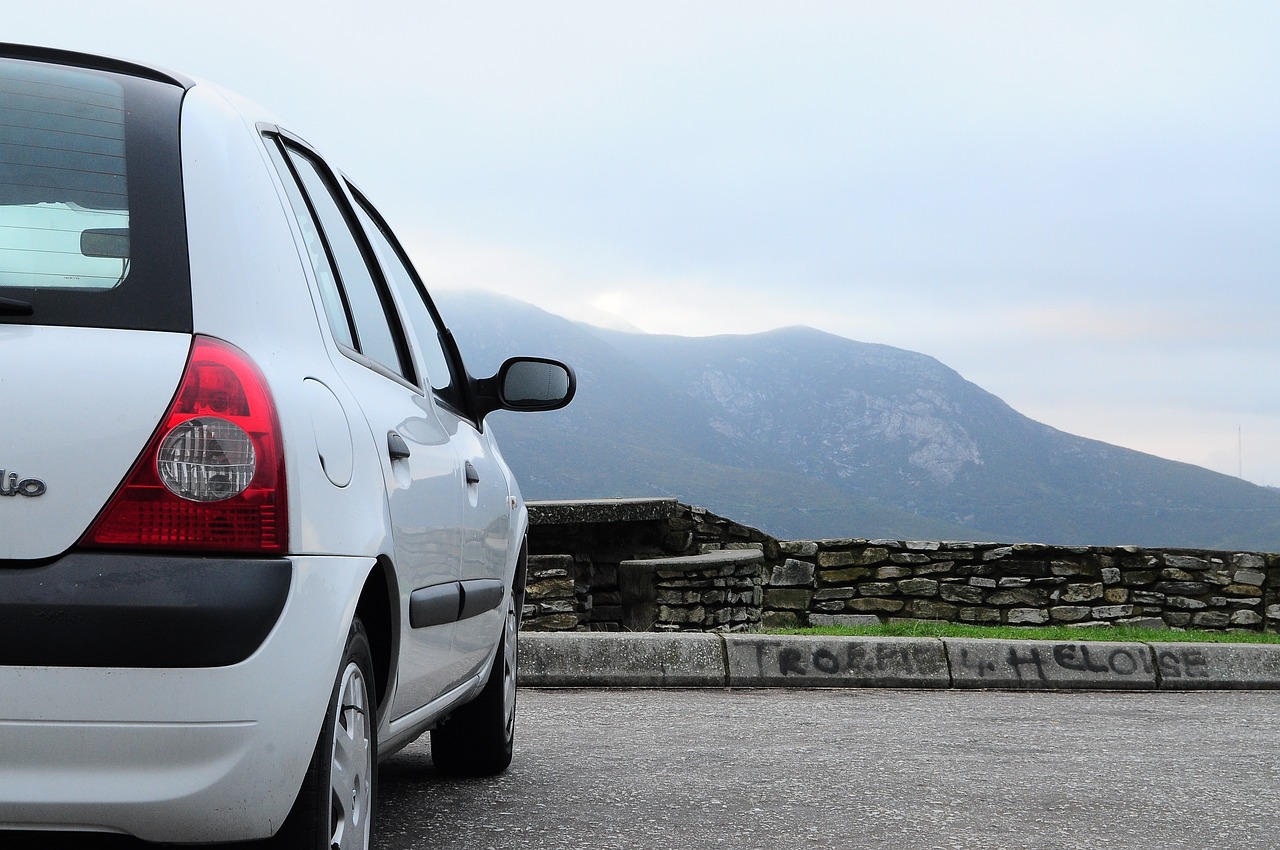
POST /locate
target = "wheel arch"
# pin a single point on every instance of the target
(378, 609)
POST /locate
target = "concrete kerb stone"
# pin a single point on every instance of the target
(610, 659)
(811, 661)
(1233, 666)
(716, 660)
(1050, 665)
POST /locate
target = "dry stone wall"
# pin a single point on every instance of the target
(652, 565)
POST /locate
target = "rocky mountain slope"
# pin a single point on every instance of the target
(806, 434)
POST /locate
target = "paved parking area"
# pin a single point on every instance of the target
(859, 769)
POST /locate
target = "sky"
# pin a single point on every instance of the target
(1076, 205)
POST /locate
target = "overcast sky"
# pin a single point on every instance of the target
(1076, 205)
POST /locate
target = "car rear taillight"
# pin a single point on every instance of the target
(212, 477)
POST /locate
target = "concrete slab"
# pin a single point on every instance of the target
(1198, 666)
(809, 661)
(1050, 665)
(612, 659)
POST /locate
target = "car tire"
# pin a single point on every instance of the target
(335, 805)
(476, 739)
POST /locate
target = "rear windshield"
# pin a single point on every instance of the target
(91, 220)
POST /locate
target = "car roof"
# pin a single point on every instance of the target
(89, 60)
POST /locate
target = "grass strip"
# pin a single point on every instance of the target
(1061, 634)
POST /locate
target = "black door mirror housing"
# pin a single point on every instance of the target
(527, 384)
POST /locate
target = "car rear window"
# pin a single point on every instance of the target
(91, 219)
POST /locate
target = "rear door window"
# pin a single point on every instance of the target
(354, 295)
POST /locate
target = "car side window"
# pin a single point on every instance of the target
(423, 323)
(354, 299)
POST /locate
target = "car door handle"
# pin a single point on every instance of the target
(473, 477)
(396, 446)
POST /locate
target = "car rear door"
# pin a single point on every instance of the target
(420, 465)
(487, 508)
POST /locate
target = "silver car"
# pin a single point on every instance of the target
(254, 533)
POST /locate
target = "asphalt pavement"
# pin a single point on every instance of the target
(780, 769)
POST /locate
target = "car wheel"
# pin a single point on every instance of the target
(335, 805)
(476, 739)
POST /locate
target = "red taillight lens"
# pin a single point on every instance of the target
(212, 476)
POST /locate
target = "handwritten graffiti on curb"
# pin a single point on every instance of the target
(854, 658)
(1028, 663)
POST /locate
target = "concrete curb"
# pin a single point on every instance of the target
(715, 660)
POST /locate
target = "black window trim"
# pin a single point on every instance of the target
(449, 347)
(286, 141)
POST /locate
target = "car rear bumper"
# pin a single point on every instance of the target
(182, 754)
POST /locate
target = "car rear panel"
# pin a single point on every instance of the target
(95, 292)
(77, 406)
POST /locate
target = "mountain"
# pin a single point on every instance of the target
(806, 434)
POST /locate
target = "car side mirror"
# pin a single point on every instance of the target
(527, 384)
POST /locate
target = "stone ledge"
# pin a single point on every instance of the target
(717, 558)
(601, 510)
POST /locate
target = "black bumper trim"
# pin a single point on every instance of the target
(89, 609)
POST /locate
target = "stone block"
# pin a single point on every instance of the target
(1247, 590)
(922, 545)
(813, 661)
(1253, 577)
(847, 620)
(557, 606)
(1248, 561)
(864, 557)
(1112, 612)
(909, 558)
(997, 553)
(929, 609)
(935, 568)
(892, 572)
(800, 548)
(1013, 581)
(795, 599)
(983, 582)
(1185, 603)
(1246, 618)
(1187, 562)
(1177, 619)
(868, 604)
(961, 593)
(552, 623)
(780, 620)
(874, 588)
(1111, 575)
(827, 593)
(1026, 617)
(792, 573)
(980, 616)
(845, 575)
(1148, 597)
(1137, 578)
(1027, 596)
(1116, 595)
(1068, 569)
(1081, 592)
(1183, 588)
(918, 587)
(549, 588)
(1069, 613)
(1211, 619)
